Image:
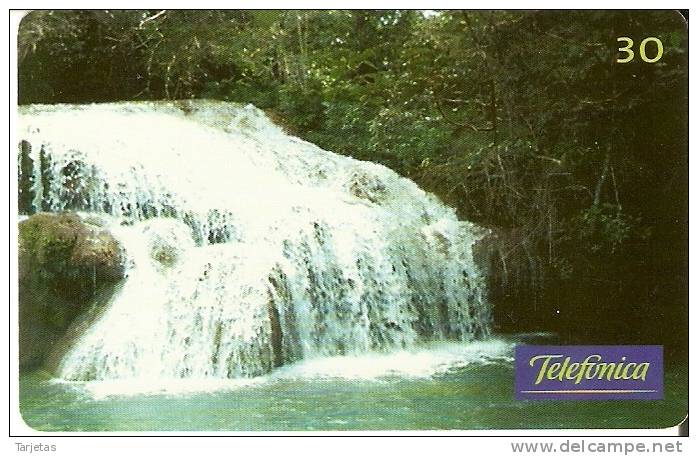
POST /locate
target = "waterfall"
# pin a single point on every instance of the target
(247, 248)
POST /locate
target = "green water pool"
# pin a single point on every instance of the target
(473, 395)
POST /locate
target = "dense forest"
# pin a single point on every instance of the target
(524, 122)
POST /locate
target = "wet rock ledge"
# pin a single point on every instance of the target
(66, 264)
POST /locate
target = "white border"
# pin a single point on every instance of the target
(112, 445)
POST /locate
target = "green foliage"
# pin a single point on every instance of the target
(604, 229)
(302, 105)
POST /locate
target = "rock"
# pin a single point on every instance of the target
(25, 184)
(368, 187)
(168, 240)
(64, 264)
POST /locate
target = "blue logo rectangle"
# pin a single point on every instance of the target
(589, 372)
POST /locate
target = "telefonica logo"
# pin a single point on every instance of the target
(589, 372)
(592, 367)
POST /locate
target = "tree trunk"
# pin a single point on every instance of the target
(602, 179)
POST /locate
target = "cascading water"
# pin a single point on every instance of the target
(247, 248)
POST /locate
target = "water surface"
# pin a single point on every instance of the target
(438, 387)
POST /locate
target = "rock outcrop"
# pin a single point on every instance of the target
(65, 263)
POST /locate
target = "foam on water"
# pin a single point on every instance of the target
(417, 363)
(248, 249)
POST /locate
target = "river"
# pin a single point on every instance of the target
(444, 386)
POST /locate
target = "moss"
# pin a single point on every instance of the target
(49, 237)
(62, 247)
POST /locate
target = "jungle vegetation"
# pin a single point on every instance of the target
(523, 121)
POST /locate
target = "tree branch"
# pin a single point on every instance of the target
(458, 124)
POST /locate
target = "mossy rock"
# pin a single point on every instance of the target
(64, 264)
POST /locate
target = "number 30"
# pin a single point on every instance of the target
(631, 54)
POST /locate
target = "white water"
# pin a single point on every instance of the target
(416, 363)
(248, 248)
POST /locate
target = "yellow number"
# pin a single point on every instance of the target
(660, 49)
(627, 49)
